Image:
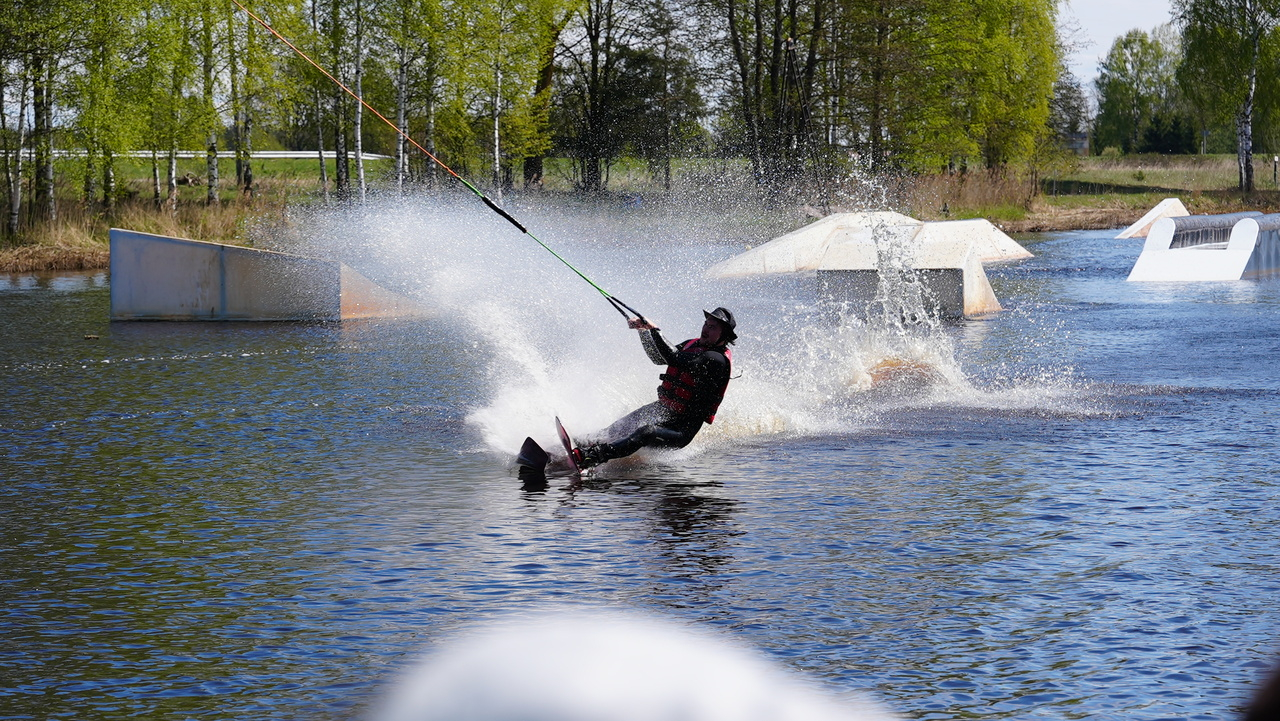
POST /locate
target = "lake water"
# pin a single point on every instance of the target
(1067, 510)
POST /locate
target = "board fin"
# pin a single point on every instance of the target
(568, 445)
(532, 456)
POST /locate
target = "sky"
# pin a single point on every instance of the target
(1102, 21)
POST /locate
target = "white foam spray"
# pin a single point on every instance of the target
(550, 345)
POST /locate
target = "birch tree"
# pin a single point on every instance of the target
(1223, 43)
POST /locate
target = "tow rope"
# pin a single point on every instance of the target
(618, 305)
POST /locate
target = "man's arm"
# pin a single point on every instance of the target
(655, 346)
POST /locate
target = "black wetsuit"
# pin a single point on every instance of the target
(666, 422)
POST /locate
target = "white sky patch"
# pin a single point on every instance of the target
(1100, 22)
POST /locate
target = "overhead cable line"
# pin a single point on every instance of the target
(618, 305)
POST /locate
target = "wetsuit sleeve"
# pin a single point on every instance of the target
(655, 346)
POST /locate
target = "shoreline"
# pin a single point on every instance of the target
(52, 258)
(1060, 220)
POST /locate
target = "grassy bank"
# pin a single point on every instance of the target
(1095, 193)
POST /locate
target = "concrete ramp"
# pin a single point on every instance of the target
(155, 277)
(950, 273)
(1167, 208)
(819, 244)
(990, 243)
(1230, 246)
(844, 250)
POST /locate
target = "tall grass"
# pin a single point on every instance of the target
(1096, 192)
(982, 194)
(78, 238)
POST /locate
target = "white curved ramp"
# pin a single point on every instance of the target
(1167, 208)
(1230, 246)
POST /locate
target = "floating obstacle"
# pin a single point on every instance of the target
(845, 252)
(1231, 246)
(155, 277)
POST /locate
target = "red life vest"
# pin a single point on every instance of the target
(679, 387)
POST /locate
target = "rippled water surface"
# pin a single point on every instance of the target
(268, 520)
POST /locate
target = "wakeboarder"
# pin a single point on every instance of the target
(692, 387)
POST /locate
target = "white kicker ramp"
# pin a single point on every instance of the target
(844, 250)
(1231, 246)
(1167, 208)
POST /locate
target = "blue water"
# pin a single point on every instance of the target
(267, 521)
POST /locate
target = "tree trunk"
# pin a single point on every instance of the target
(430, 135)
(533, 165)
(90, 190)
(666, 111)
(211, 168)
(246, 112)
(175, 95)
(744, 80)
(324, 171)
(1245, 125)
(155, 178)
(342, 171)
(248, 154)
(13, 155)
(359, 123)
(42, 137)
(402, 81)
(172, 179)
(233, 72)
(879, 72)
(211, 146)
(319, 111)
(108, 182)
(497, 148)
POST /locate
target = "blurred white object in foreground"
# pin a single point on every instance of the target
(592, 667)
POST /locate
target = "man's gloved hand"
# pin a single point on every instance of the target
(640, 324)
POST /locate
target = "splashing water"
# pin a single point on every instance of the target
(549, 345)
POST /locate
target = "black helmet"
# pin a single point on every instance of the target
(723, 315)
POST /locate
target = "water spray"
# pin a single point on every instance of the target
(617, 303)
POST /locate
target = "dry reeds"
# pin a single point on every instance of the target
(78, 238)
(35, 258)
(949, 195)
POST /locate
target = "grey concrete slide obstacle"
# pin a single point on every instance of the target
(155, 277)
(844, 251)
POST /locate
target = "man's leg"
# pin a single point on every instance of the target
(650, 435)
(644, 415)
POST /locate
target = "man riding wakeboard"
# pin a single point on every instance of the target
(691, 390)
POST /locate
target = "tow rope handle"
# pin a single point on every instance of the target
(618, 305)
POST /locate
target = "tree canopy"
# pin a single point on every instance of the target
(789, 86)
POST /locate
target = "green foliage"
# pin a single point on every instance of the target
(791, 89)
(1136, 83)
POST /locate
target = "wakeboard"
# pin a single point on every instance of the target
(568, 445)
